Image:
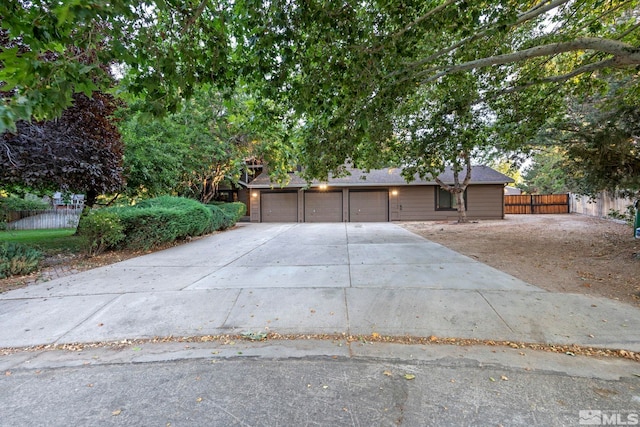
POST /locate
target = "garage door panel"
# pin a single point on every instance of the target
(368, 206)
(323, 207)
(279, 207)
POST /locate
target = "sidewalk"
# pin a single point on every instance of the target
(308, 279)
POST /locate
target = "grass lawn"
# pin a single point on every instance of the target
(48, 241)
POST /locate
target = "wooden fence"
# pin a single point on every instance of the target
(38, 220)
(537, 204)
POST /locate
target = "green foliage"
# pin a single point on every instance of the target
(101, 230)
(190, 152)
(13, 203)
(51, 50)
(628, 216)
(547, 173)
(162, 220)
(17, 259)
(225, 215)
(235, 209)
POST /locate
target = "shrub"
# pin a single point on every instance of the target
(101, 230)
(16, 259)
(13, 203)
(225, 215)
(161, 220)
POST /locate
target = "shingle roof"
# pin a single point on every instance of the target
(385, 177)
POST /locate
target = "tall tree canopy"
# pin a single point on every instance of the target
(54, 49)
(357, 71)
(370, 81)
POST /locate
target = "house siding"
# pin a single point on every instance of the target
(397, 203)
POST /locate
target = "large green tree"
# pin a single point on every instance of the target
(192, 151)
(355, 70)
(54, 49)
(355, 73)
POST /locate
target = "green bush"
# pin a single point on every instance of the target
(225, 215)
(13, 203)
(101, 230)
(16, 259)
(162, 220)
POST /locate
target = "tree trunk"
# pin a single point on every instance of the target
(462, 209)
(458, 188)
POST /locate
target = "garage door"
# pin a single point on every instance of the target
(279, 207)
(368, 206)
(323, 207)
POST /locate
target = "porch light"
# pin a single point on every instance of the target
(254, 194)
(323, 186)
(394, 192)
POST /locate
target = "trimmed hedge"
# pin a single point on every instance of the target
(226, 214)
(162, 220)
(156, 221)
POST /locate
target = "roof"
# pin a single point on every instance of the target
(384, 177)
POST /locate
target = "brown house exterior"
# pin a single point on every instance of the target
(377, 196)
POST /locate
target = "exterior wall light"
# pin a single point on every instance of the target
(323, 186)
(394, 192)
(254, 194)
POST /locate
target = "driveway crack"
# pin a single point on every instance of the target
(496, 312)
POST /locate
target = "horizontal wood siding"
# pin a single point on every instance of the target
(415, 203)
(485, 202)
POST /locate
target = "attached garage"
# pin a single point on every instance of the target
(323, 206)
(279, 207)
(369, 206)
(378, 195)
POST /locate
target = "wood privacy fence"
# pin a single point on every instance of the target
(537, 204)
(38, 220)
(601, 205)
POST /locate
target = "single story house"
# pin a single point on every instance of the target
(380, 195)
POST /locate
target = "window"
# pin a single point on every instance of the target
(447, 201)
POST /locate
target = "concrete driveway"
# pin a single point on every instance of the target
(348, 278)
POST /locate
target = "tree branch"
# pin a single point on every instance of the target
(535, 11)
(624, 55)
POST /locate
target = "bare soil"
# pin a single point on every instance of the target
(559, 253)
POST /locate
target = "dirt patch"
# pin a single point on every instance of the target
(559, 253)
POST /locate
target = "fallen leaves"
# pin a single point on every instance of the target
(339, 339)
(409, 377)
(116, 412)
